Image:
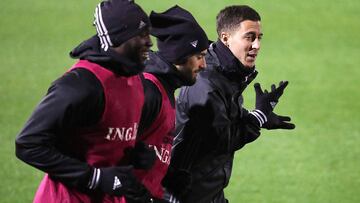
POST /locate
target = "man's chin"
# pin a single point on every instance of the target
(190, 82)
(141, 59)
(250, 66)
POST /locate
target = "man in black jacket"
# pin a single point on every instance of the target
(211, 123)
(81, 130)
(182, 47)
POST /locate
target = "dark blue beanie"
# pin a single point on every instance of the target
(178, 34)
(117, 21)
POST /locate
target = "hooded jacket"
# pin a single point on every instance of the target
(158, 118)
(211, 125)
(74, 100)
(170, 78)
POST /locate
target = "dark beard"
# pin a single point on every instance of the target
(122, 65)
(186, 75)
(132, 52)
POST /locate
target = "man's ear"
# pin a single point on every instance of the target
(224, 37)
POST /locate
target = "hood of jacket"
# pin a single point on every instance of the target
(91, 50)
(165, 71)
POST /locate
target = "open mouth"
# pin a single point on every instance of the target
(145, 54)
(252, 56)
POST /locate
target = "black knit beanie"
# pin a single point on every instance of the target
(117, 21)
(178, 34)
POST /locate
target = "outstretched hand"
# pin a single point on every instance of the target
(266, 101)
(275, 121)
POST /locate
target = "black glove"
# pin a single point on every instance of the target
(266, 101)
(139, 195)
(141, 156)
(177, 181)
(275, 121)
(118, 181)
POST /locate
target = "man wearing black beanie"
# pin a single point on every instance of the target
(182, 47)
(81, 130)
(211, 124)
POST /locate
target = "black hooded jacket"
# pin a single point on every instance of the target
(76, 99)
(169, 77)
(211, 125)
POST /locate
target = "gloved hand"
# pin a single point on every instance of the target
(141, 156)
(275, 121)
(139, 195)
(266, 101)
(118, 181)
(177, 181)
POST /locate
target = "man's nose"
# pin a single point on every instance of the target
(256, 44)
(148, 41)
(203, 64)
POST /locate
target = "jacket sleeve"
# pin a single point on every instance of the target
(66, 105)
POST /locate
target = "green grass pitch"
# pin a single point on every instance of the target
(313, 44)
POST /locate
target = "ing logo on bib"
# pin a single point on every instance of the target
(122, 133)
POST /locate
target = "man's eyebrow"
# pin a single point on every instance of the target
(253, 33)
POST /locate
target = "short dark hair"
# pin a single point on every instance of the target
(230, 17)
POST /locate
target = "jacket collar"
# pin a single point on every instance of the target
(165, 71)
(225, 62)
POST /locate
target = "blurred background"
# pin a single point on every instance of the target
(313, 44)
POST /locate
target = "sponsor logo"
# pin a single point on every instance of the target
(273, 104)
(162, 153)
(194, 43)
(123, 133)
(117, 183)
(142, 24)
